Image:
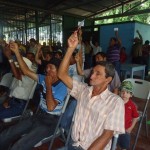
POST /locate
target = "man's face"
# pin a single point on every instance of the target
(99, 58)
(51, 70)
(30, 57)
(48, 57)
(98, 76)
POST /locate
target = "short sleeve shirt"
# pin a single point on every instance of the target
(59, 91)
(94, 115)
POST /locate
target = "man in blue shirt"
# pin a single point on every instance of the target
(42, 124)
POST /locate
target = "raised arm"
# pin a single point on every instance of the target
(22, 64)
(63, 69)
(140, 36)
(14, 69)
(117, 36)
(37, 59)
(79, 68)
(50, 101)
(101, 142)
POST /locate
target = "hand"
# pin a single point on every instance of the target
(137, 31)
(38, 46)
(48, 80)
(6, 105)
(73, 40)
(129, 130)
(7, 52)
(80, 32)
(77, 58)
(14, 47)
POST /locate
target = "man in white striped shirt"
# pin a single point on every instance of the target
(99, 113)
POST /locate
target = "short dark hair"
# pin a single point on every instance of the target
(109, 68)
(54, 61)
(102, 54)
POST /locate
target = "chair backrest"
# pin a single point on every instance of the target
(7, 80)
(141, 88)
(10, 119)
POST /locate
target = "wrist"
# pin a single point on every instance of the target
(10, 60)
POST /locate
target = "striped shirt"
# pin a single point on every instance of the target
(113, 53)
(93, 115)
(59, 91)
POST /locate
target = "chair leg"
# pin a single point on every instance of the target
(146, 126)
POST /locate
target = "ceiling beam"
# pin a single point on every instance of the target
(21, 5)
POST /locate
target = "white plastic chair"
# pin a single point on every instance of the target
(7, 80)
(141, 89)
(6, 120)
(58, 131)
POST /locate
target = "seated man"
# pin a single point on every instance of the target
(43, 123)
(100, 56)
(19, 90)
(99, 113)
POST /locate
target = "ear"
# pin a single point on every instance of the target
(109, 79)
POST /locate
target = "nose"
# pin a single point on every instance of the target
(92, 76)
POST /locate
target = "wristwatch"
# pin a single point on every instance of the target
(10, 60)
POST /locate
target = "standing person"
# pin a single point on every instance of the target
(136, 51)
(99, 113)
(131, 114)
(43, 123)
(113, 52)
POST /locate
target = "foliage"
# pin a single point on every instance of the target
(144, 18)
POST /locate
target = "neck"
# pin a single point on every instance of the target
(98, 90)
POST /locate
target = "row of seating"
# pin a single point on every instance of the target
(141, 90)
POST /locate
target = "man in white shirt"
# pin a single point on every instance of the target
(99, 113)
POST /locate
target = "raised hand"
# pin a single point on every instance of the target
(73, 40)
(7, 52)
(48, 81)
(14, 47)
(77, 57)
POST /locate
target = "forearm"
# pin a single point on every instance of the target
(50, 101)
(134, 121)
(21, 62)
(63, 69)
(79, 69)
(101, 142)
(38, 61)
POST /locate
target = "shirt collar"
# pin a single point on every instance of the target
(103, 95)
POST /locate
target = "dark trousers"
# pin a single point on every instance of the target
(34, 129)
(15, 108)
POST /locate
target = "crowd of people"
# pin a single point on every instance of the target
(102, 106)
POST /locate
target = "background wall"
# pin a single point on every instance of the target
(127, 32)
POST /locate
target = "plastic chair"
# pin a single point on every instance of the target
(24, 112)
(141, 89)
(7, 80)
(58, 130)
(114, 143)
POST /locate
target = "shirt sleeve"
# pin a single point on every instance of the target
(60, 93)
(87, 73)
(135, 113)
(115, 118)
(115, 83)
(77, 89)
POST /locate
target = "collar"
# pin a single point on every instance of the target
(103, 95)
(56, 83)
